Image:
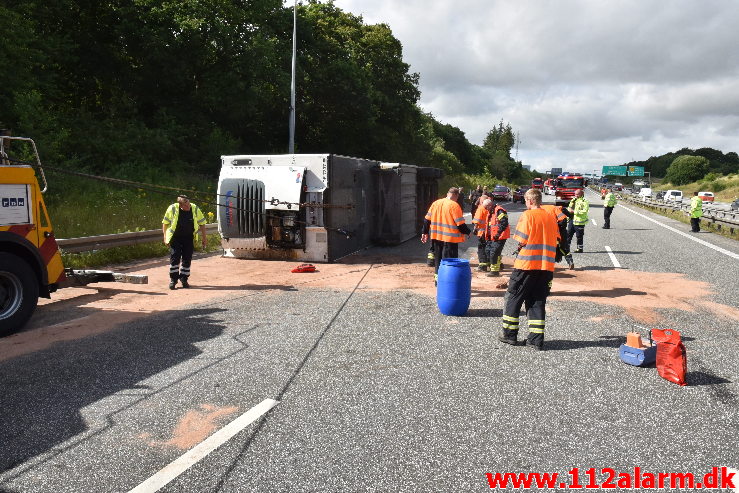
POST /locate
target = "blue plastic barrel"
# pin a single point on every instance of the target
(454, 286)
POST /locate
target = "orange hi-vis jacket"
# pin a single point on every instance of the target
(556, 210)
(480, 219)
(497, 220)
(538, 232)
(445, 216)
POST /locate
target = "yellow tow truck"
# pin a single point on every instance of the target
(30, 262)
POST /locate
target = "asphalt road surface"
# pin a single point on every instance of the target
(368, 390)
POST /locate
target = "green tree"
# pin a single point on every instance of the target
(686, 169)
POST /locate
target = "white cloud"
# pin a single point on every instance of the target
(586, 83)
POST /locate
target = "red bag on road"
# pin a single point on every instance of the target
(672, 360)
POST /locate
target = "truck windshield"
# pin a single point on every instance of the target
(570, 183)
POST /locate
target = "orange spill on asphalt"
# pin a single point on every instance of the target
(195, 426)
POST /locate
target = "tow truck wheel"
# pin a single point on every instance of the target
(18, 293)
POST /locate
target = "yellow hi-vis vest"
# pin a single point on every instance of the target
(696, 207)
(173, 214)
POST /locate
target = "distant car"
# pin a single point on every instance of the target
(660, 195)
(518, 194)
(645, 193)
(706, 196)
(735, 205)
(501, 193)
(673, 196)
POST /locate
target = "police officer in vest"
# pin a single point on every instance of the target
(180, 227)
(531, 280)
(579, 207)
(608, 205)
(497, 231)
(445, 225)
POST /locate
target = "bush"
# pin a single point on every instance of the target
(687, 169)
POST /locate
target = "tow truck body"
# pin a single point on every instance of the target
(30, 261)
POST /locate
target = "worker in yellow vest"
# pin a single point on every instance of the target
(579, 206)
(180, 226)
(608, 205)
(696, 212)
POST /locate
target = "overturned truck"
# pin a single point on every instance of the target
(318, 207)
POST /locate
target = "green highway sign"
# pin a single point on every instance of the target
(636, 170)
(615, 170)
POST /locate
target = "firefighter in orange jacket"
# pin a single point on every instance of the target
(497, 231)
(444, 224)
(563, 248)
(531, 280)
(478, 228)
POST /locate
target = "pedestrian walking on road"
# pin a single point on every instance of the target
(531, 280)
(180, 226)
(608, 205)
(497, 232)
(579, 207)
(696, 212)
(460, 198)
(444, 224)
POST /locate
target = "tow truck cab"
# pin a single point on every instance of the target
(567, 185)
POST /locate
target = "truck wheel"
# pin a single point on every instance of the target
(18, 293)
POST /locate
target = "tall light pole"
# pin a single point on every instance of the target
(291, 144)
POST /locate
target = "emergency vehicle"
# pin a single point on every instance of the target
(567, 185)
(537, 183)
(30, 261)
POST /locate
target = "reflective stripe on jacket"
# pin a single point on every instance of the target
(556, 210)
(480, 219)
(445, 216)
(538, 232)
(173, 214)
(497, 227)
(696, 207)
(610, 200)
(579, 208)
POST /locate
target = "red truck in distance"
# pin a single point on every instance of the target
(537, 183)
(567, 185)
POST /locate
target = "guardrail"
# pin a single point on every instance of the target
(721, 219)
(101, 242)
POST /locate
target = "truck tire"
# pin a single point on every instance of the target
(18, 293)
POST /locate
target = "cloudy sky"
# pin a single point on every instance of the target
(585, 83)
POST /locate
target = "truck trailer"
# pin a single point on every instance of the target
(318, 207)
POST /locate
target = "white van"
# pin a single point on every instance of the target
(645, 193)
(673, 196)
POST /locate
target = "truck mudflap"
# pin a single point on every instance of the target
(76, 277)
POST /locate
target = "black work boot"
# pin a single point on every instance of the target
(184, 282)
(535, 342)
(509, 337)
(172, 285)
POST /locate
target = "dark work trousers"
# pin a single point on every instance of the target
(563, 245)
(180, 249)
(529, 288)
(578, 231)
(482, 256)
(695, 224)
(443, 249)
(494, 249)
(607, 211)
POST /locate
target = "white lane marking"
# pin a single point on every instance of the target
(594, 223)
(181, 464)
(697, 240)
(613, 257)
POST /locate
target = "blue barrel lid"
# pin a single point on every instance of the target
(455, 261)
